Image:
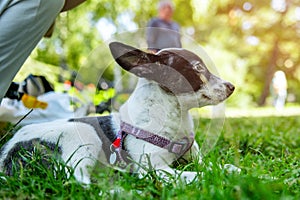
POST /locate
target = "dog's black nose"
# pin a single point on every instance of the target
(230, 87)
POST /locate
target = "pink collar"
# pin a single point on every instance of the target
(177, 147)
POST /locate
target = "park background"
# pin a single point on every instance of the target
(247, 40)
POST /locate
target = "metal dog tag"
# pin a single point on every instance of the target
(112, 158)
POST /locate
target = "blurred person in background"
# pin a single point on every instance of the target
(279, 90)
(162, 31)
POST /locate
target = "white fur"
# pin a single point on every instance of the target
(163, 114)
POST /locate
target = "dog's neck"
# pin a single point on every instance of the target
(155, 110)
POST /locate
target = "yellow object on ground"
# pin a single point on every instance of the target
(33, 102)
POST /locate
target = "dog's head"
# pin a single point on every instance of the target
(177, 71)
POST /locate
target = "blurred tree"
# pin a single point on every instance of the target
(263, 33)
(247, 39)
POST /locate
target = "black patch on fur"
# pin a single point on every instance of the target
(106, 126)
(14, 156)
(103, 127)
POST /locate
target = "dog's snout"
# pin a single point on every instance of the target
(230, 88)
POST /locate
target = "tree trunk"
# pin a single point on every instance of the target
(269, 75)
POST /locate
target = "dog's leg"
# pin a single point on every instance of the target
(84, 161)
(82, 164)
(81, 151)
(186, 176)
(193, 154)
(169, 174)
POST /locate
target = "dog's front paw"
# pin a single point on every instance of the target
(231, 168)
(189, 177)
(169, 175)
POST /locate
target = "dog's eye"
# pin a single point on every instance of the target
(198, 67)
(203, 79)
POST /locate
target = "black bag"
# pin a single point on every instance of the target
(33, 85)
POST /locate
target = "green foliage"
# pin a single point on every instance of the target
(6, 131)
(247, 39)
(103, 96)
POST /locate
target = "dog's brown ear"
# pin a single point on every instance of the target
(151, 67)
(133, 60)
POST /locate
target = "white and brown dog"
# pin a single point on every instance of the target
(152, 127)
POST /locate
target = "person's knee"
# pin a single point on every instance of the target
(53, 6)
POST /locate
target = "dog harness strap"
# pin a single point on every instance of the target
(145, 135)
(182, 146)
(177, 147)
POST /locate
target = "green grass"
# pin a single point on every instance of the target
(266, 149)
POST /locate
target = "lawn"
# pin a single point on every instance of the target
(267, 149)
